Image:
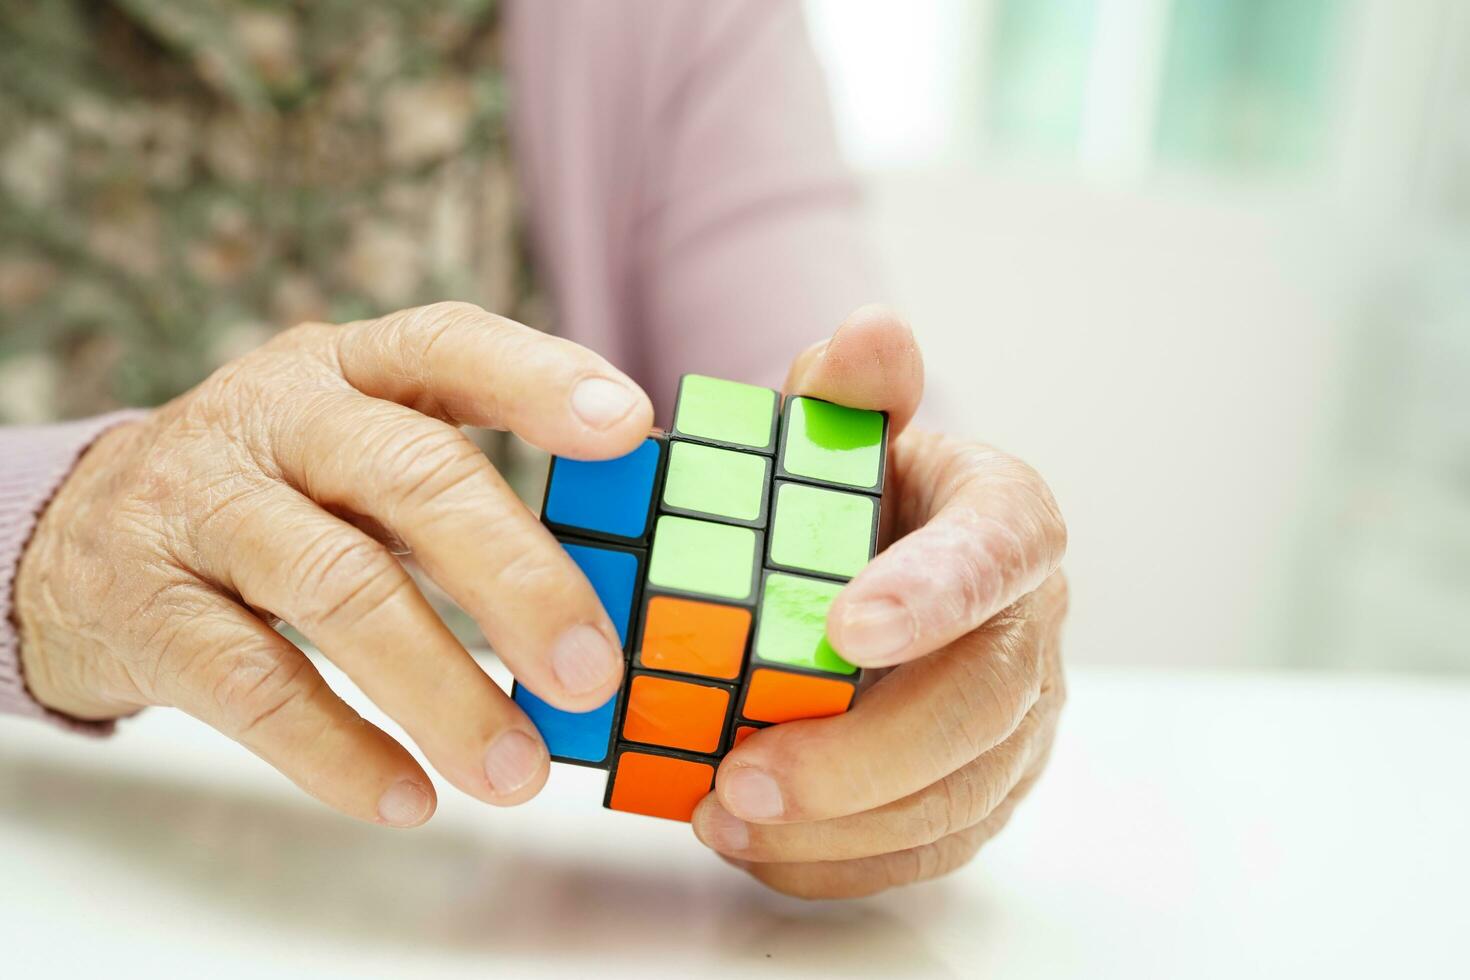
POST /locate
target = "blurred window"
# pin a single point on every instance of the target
(1036, 75)
(1246, 83)
(1127, 88)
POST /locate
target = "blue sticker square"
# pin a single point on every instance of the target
(584, 736)
(614, 577)
(609, 496)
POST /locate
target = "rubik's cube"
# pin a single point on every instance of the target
(716, 550)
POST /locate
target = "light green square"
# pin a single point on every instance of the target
(793, 624)
(720, 482)
(833, 443)
(725, 411)
(821, 530)
(701, 556)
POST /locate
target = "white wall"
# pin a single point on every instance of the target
(1193, 364)
(1166, 360)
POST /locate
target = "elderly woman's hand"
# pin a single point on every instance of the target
(966, 608)
(153, 572)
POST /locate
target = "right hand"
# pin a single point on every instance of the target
(153, 573)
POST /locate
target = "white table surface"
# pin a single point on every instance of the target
(1192, 825)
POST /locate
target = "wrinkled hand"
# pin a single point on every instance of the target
(965, 607)
(152, 574)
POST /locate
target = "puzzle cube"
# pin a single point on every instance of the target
(742, 526)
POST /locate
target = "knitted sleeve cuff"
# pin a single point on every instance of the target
(34, 462)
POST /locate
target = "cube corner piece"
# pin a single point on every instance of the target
(833, 445)
(577, 738)
(612, 500)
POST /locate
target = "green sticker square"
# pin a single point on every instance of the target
(703, 557)
(793, 624)
(833, 443)
(725, 411)
(720, 482)
(821, 530)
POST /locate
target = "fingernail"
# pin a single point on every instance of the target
(722, 830)
(583, 660)
(600, 402)
(512, 761)
(753, 795)
(405, 804)
(876, 630)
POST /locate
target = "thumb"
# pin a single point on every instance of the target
(872, 361)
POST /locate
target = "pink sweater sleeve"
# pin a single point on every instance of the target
(687, 196)
(34, 460)
(687, 200)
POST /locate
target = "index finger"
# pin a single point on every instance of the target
(456, 361)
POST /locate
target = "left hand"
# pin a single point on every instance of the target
(966, 609)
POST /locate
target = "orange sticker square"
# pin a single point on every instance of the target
(658, 785)
(675, 714)
(691, 637)
(742, 732)
(779, 695)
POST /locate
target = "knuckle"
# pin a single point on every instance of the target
(1040, 513)
(343, 577)
(529, 571)
(226, 501)
(958, 802)
(977, 574)
(1027, 537)
(253, 697)
(936, 814)
(413, 335)
(425, 460)
(241, 683)
(992, 692)
(444, 312)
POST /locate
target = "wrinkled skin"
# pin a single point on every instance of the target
(284, 485)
